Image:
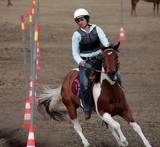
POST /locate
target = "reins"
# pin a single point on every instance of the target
(99, 71)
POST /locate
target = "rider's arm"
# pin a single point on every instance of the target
(102, 37)
(75, 47)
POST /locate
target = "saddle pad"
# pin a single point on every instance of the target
(76, 86)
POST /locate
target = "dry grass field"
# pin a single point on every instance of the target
(139, 56)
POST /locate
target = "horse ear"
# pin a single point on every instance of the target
(117, 46)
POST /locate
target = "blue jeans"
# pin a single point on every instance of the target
(84, 85)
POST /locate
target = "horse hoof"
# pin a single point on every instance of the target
(124, 144)
(148, 145)
(86, 145)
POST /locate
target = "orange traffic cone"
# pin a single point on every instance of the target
(27, 114)
(121, 36)
(31, 140)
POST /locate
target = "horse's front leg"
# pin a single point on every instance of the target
(116, 129)
(127, 115)
(113, 132)
(137, 128)
(78, 129)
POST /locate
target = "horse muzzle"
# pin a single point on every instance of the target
(112, 75)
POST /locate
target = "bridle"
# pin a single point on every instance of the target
(111, 73)
(108, 50)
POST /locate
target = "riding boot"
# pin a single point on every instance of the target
(84, 89)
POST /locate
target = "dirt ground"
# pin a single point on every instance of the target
(139, 57)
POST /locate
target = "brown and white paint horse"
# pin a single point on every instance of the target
(108, 97)
(155, 5)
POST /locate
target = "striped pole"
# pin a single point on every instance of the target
(121, 13)
(24, 54)
(33, 11)
(36, 34)
(121, 36)
(37, 11)
(31, 36)
(38, 51)
(34, 72)
(22, 23)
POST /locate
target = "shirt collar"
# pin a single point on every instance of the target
(91, 27)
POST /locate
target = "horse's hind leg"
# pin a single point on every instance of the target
(115, 126)
(137, 128)
(78, 129)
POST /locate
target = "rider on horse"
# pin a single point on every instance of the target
(87, 42)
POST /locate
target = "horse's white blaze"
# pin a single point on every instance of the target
(109, 53)
(77, 69)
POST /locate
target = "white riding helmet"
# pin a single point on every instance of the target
(80, 13)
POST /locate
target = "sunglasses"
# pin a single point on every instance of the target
(79, 20)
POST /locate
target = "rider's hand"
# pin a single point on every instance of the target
(82, 63)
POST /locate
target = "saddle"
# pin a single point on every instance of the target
(76, 87)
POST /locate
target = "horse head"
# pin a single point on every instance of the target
(110, 60)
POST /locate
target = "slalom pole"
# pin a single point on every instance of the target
(37, 12)
(31, 36)
(121, 12)
(24, 55)
(31, 24)
(121, 36)
(33, 11)
(34, 72)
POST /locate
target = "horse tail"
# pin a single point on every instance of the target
(51, 103)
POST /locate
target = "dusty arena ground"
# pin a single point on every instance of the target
(140, 69)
